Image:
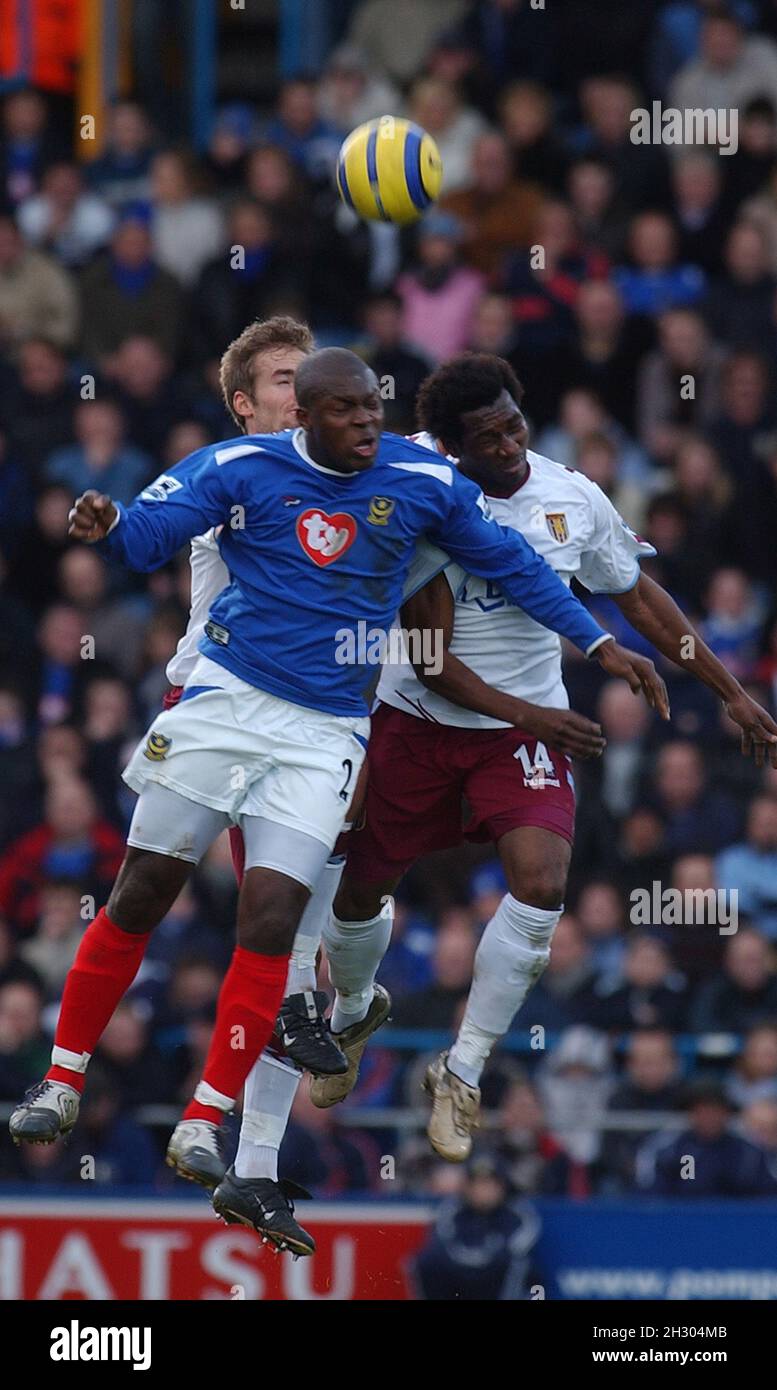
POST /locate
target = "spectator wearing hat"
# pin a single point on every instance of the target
(707, 1158)
(440, 296)
(481, 1248)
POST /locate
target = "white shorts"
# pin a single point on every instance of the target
(245, 752)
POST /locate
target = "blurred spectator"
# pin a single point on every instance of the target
(640, 171)
(602, 353)
(393, 362)
(396, 35)
(678, 385)
(152, 398)
(744, 993)
(740, 308)
(121, 172)
(497, 210)
(749, 869)
(750, 167)
(535, 1162)
(24, 1050)
(651, 1086)
(51, 950)
(437, 107)
(37, 297)
(544, 283)
(353, 91)
(733, 622)
(526, 118)
(247, 281)
(100, 458)
(27, 145)
(121, 1153)
(71, 842)
(761, 212)
(64, 219)
(601, 914)
(440, 296)
(128, 293)
(575, 1084)
(651, 992)
(732, 67)
(600, 222)
(452, 961)
(274, 180)
(707, 1159)
(655, 281)
(137, 1071)
(581, 415)
(299, 130)
(759, 1125)
(754, 1077)
(480, 1248)
(39, 407)
(231, 136)
(186, 228)
(697, 208)
(695, 816)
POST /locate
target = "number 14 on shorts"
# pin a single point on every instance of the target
(539, 769)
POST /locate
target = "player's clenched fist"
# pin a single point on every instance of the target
(92, 516)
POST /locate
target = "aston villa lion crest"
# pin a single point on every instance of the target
(557, 525)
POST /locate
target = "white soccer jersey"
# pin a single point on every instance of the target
(571, 523)
(209, 576)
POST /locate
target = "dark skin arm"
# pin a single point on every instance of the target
(652, 611)
(432, 609)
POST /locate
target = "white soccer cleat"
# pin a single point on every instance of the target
(455, 1111)
(49, 1108)
(195, 1154)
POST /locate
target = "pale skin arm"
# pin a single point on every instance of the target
(654, 613)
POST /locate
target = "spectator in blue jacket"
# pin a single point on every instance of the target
(707, 1159)
(750, 867)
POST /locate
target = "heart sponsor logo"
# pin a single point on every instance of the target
(325, 538)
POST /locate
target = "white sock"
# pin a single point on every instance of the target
(354, 951)
(302, 966)
(513, 952)
(269, 1095)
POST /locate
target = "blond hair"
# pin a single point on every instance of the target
(237, 363)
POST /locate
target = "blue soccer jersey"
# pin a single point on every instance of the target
(312, 552)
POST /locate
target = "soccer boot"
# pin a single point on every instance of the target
(328, 1090)
(455, 1110)
(266, 1207)
(194, 1152)
(49, 1108)
(305, 1034)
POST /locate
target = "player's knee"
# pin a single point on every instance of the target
(358, 902)
(269, 911)
(543, 887)
(146, 886)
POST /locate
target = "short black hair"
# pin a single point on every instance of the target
(468, 382)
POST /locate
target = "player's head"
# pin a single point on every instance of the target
(340, 409)
(473, 405)
(257, 374)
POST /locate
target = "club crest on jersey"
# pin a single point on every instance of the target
(557, 525)
(325, 538)
(380, 510)
(157, 747)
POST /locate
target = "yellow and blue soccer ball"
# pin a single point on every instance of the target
(389, 170)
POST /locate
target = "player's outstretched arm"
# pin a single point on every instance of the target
(654, 613)
(431, 611)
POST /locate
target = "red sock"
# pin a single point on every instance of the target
(106, 963)
(237, 846)
(250, 998)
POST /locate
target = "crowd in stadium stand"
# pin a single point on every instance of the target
(119, 290)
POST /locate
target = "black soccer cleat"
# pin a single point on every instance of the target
(305, 1034)
(266, 1207)
(49, 1108)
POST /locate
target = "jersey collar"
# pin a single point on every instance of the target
(298, 440)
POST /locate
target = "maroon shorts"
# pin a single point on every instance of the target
(420, 774)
